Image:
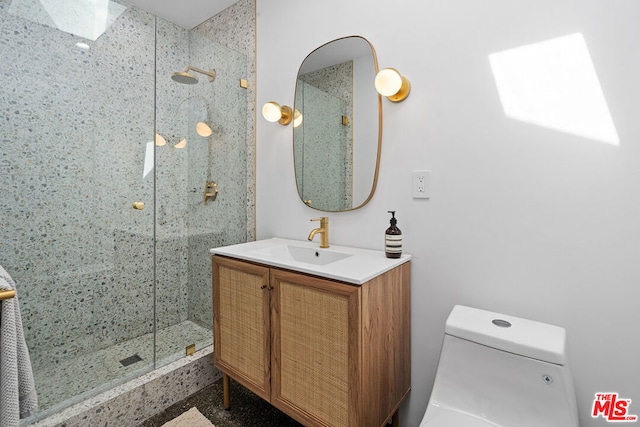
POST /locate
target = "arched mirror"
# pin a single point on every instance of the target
(337, 123)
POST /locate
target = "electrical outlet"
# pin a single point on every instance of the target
(420, 185)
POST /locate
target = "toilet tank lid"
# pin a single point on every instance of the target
(508, 333)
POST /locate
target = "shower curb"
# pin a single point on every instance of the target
(133, 402)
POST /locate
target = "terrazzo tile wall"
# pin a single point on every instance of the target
(324, 146)
(75, 127)
(75, 123)
(235, 29)
(186, 225)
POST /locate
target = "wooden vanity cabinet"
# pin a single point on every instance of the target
(242, 323)
(325, 352)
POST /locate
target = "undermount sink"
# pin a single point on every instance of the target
(352, 265)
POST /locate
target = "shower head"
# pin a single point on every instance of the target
(185, 77)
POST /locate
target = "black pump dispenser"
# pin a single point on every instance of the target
(393, 238)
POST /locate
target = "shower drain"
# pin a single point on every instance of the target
(130, 360)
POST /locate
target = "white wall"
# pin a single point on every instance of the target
(523, 220)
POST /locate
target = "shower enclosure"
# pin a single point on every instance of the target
(104, 163)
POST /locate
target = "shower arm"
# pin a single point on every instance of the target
(211, 74)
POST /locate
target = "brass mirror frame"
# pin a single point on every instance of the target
(379, 149)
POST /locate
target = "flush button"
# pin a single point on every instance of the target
(501, 323)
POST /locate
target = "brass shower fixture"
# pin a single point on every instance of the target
(210, 191)
(186, 77)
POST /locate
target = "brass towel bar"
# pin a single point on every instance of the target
(7, 294)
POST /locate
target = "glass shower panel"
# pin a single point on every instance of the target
(77, 119)
(204, 126)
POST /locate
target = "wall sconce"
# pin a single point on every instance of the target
(390, 83)
(273, 112)
(297, 118)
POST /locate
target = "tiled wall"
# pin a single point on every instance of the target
(75, 125)
(187, 227)
(235, 29)
(323, 144)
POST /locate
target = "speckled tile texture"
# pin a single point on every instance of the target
(324, 96)
(75, 125)
(234, 28)
(93, 370)
(129, 404)
(247, 409)
(74, 131)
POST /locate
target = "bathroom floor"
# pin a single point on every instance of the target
(99, 369)
(247, 409)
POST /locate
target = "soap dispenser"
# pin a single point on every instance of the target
(393, 239)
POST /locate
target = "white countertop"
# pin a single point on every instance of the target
(359, 267)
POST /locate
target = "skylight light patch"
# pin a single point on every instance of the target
(84, 18)
(554, 84)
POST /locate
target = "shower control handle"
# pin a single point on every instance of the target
(138, 206)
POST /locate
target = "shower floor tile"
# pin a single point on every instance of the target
(73, 380)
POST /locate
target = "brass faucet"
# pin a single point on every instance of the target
(323, 230)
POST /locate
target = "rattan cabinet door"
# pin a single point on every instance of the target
(241, 323)
(315, 348)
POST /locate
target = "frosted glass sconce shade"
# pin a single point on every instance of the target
(181, 144)
(203, 129)
(273, 112)
(390, 83)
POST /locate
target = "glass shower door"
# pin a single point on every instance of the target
(204, 126)
(103, 222)
(77, 118)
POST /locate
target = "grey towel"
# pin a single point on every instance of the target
(18, 397)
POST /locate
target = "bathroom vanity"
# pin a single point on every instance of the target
(321, 334)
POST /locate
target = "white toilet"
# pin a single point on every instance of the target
(498, 370)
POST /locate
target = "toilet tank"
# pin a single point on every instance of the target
(505, 370)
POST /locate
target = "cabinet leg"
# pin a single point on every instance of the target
(226, 392)
(395, 420)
